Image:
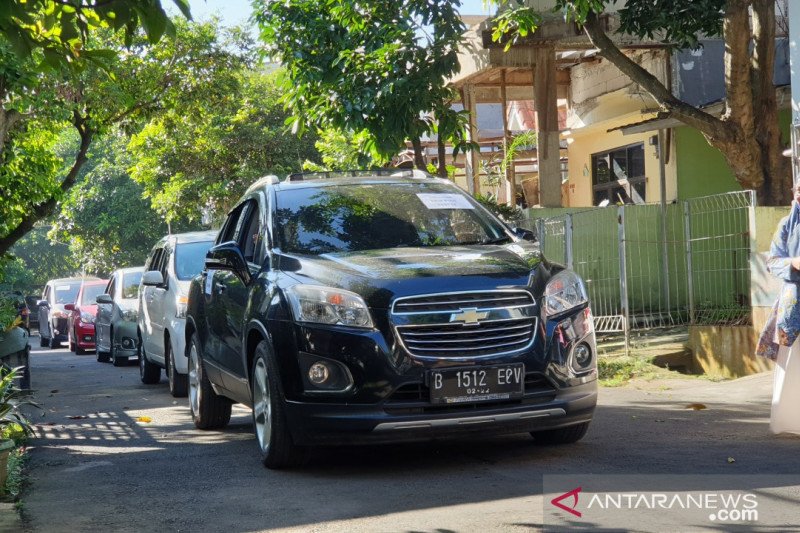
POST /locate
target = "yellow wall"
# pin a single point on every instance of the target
(595, 139)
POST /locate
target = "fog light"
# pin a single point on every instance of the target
(583, 355)
(318, 373)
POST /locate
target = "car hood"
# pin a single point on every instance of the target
(382, 275)
(91, 309)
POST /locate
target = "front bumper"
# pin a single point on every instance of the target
(84, 334)
(333, 424)
(126, 341)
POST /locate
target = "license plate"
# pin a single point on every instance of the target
(477, 384)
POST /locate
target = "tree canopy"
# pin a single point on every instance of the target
(142, 81)
(61, 29)
(205, 153)
(358, 65)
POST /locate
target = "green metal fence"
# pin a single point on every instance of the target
(651, 266)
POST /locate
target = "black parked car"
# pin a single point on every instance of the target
(384, 308)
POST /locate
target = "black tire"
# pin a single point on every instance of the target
(43, 342)
(566, 435)
(78, 350)
(178, 383)
(103, 357)
(277, 448)
(53, 343)
(149, 373)
(117, 360)
(209, 410)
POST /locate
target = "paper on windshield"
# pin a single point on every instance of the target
(444, 201)
(63, 287)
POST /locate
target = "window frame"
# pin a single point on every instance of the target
(607, 187)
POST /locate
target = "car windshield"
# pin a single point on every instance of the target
(90, 294)
(189, 258)
(370, 216)
(130, 285)
(66, 293)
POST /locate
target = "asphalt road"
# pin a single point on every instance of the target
(113, 471)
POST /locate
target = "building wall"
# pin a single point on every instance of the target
(588, 141)
(701, 168)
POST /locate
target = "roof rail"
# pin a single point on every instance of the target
(378, 172)
(269, 179)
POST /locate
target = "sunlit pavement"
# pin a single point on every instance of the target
(116, 455)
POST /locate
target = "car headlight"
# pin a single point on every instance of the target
(87, 318)
(130, 315)
(180, 307)
(563, 292)
(327, 305)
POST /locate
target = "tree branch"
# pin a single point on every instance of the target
(690, 115)
(47, 208)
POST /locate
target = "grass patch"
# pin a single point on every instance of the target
(16, 463)
(16, 473)
(617, 371)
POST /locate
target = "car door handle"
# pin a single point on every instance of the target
(221, 288)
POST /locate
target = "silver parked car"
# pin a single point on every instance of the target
(117, 311)
(163, 296)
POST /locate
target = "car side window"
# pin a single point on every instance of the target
(231, 225)
(46, 295)
(163, 266)
(152, 261)
(249, 235)
(111, 285)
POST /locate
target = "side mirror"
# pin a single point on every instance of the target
(152, 278)
(524, 234)
(104, 299)
(42, 303)
(228, 256)
(69, 307)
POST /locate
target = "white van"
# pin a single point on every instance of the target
(172, 263)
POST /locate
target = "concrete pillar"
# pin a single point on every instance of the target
(546, 102)
(510, 177)
(472, 166)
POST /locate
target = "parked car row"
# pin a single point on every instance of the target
(358, 307)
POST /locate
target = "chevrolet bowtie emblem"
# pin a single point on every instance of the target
(469, 316)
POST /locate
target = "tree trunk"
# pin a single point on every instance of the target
(442, 155)
(47, 208)
(419, 160)
(776, 167)
(748, 134)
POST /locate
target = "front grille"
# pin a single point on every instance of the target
(457, 340)
(455, 302)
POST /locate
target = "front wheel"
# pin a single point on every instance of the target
(269, 416)
(149, 373)
(566, 435)
(209, 410)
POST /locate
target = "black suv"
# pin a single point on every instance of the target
(384, 307)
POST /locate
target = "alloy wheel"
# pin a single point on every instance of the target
(262, 405)
(194, 380)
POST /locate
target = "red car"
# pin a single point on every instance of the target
(82, 315)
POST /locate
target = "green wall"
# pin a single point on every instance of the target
(702, 169)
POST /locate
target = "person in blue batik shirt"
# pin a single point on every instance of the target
(777, 341)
